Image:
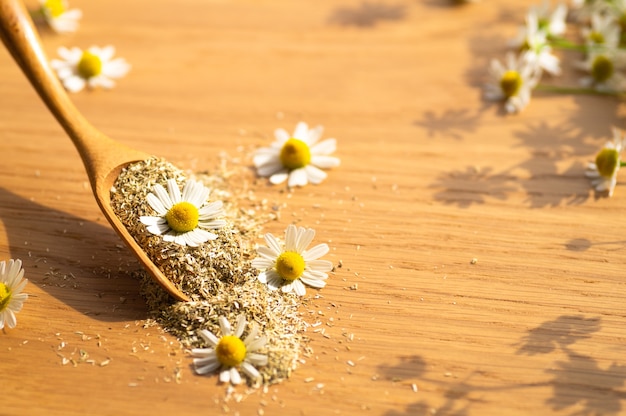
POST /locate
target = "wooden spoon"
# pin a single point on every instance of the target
(103, 157)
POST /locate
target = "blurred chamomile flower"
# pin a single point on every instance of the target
(513, 81)
(230, 353)
(12, 284)
(603, 33)
(59, 16)
(296, 158)
(94, 67)
(291, 266)
(605, 71)
(603, 172)
(535, 44)
(183, 219)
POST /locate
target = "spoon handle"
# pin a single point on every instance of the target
(20, 37)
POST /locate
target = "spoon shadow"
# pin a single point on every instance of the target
(81, 263)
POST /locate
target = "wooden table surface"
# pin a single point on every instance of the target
(431, 178)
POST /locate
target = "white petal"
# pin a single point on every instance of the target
(157, 204)
(281, 135)
(297, 177)
(261, 263)
(316, 252)
(316, 283)
(241, 325)
(325, 162)
(74, 83)
(274, 281)
(299, 288)
(325, 147)
(224, 325)
(225, 376)
(160, 192)
(173, 191)
(304, 240)
(206, 369)
(288, 287)
(279, 177)
(290, 238)
(235, 378)
(315, 175)
(273, 244)
(250, 371)
(319, 265)
(257, 359)
(209, 337)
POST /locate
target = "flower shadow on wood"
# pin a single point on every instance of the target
(551, 176)
(53, 246)
(451, 123)
(367, 14)
(579, 381)
(413, 368)
(550, 147)
(472, 186)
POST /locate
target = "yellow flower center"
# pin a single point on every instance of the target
(54, 7)
(89, 65)
(596, 37)
(607, 161)
(230, 351)
(290, 265)
(601, 68)
(295, 154)
(511, 82)
(5, 296)
(182, 217)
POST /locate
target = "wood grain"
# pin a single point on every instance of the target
(431, 178)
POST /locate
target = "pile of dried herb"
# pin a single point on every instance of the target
(217, 275)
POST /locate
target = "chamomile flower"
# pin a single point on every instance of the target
(183, 219)
(59, 16)
(551, 22)
(603, 172)
(291, 266)
(535, 44)
(230, 353)
(603, 33)
(605, 71)
(513, 81)
(94, 67)
(12, 284)
(296, 158)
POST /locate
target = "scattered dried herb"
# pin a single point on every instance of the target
(217, 276)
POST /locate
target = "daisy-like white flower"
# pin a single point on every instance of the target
(603, 33)
(605, 70)
(94, 67)
(603, 172)
(291, 266)
(230, 352)
(59, 16)
(551, 22)
(296, 157)
(535, 42)
(513, 81)
(12, 284)
(183, 219)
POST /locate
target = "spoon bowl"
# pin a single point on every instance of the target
(103, 157)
